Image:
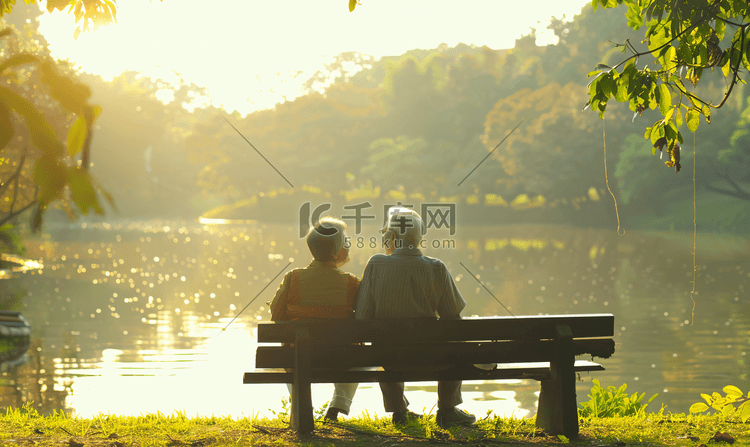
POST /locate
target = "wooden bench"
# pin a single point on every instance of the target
(527, 347)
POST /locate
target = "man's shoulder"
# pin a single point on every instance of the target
(434, 262)
(379, 258)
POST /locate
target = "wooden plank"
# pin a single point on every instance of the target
(428, 330)
(428, 354)
(557, 413)
(301, 420)
(539, 371)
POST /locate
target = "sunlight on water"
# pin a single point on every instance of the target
(207, 380)
(127, 317)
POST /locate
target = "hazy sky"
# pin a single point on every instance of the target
(241, 49)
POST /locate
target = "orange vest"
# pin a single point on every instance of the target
(296, 311)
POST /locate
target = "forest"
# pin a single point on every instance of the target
(411, 128)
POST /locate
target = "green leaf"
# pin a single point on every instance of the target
(744, 411)
(6, 126)
(665, 99)
(678, 116)
(76, 136)
(19, 59)
(622, 89)
(693, 120)
(727, 410)
(50, 176)
(732, 391)
(699, 407)
(608, 85)
(595, 4)
(726, 67)
(72, 95)
(668, 115)
(668, 58)
(720, 28)
(635, 19)
(112, 9)
(658, 39)
(82, 190)
(707, 114)
(42, 134)
(78, 12)
(657, 132)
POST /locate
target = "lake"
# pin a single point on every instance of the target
(127, 317)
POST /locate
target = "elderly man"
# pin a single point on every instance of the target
(407, 284)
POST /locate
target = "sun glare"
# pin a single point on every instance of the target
(252, 55)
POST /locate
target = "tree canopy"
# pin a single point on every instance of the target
(683, 39)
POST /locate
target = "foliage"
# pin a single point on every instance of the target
(283, 415)
(613, 402)
(320, 411)
(725, 405)
(552, 151)
(445, 109)
(87, 12)
(10, 241)
(685, 38)
(59, 172)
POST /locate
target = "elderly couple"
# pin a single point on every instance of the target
(400, 284)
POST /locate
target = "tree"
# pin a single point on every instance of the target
(686, 38)
(60, 168)
(555, 148)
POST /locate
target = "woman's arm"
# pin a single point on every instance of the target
(278, 304)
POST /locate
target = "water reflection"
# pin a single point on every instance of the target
(127, 317)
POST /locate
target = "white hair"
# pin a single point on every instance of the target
(406, 227)
(325, 238)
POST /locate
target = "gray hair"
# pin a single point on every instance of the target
(407, 227)
(325, 238)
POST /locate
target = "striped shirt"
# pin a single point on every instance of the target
(407, 284)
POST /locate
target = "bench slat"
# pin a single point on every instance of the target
(428, 354)
(411, 330)
(536, 372)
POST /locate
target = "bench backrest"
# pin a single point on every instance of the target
(539, 327)
(416, 342)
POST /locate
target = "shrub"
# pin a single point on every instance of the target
(613, 402)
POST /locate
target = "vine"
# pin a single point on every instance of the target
(606, 179)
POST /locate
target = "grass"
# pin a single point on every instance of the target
(25, 426)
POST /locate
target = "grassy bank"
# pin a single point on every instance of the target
(26, 427)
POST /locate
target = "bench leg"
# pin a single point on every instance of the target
(558, 408)
(301, 420)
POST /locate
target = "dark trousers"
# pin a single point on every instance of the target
(449, 395)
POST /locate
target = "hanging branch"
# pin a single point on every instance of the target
(5, 184)
(26, 207)
(737, 193)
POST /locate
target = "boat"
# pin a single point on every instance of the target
(15, 337)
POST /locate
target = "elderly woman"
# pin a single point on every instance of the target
(407, 284)
(321, 290)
